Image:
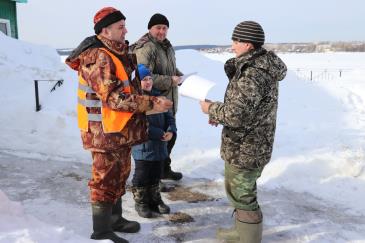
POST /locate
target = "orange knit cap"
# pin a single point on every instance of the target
(105, 17)
(103, 12)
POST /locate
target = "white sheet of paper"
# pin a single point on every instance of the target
(185, 76)
(195, 87)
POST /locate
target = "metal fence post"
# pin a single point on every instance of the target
(37, 105)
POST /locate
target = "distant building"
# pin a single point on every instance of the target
(8, 20)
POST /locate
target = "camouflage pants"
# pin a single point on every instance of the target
(241, 187)
(110, 172)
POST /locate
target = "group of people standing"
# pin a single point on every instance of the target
(127, 103)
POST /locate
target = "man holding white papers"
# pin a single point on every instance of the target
(248, 116)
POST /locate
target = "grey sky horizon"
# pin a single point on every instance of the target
(64, 24)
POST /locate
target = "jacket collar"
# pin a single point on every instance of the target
(249, 57)
(165, 44)
(117, 47)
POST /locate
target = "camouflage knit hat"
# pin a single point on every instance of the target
(105, 17)
(249, 31)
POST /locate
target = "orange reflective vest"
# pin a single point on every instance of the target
(112, 120)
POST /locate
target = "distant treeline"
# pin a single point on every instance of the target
(303, 47)
(67, 51)
(356, 46)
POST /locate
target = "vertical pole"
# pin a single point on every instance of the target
(311, 75)
(340, 73)
(37, 105)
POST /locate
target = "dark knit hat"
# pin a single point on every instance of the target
(143, 71)
(105, 17)
(249, 31)
(158, 19)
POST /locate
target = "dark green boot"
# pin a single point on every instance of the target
(121, 224)
(142, 198)
(101, 215)
(156, 203)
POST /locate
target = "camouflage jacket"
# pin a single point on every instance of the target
(159, 57)
(99, 71)
(248, 114)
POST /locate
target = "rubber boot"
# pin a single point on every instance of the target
(156, 203)
(142, 198)
(101, 215)
(249, 233)
(121, 224)
(249, 225)
(171, 175)
(167, 173)
(229, 235)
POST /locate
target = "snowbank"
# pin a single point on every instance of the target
(52, 132)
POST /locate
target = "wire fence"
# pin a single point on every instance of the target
(317, 74)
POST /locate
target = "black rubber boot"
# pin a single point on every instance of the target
(101, 215)
(171, 175)
(156, 203)
(142, 198)
(167, 173)
(165, 187)
(121, 224)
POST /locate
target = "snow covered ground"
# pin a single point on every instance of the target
(312, 191)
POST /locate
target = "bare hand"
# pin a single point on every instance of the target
(162, 104)
(176, 80)
(204, 105)
(167, 136)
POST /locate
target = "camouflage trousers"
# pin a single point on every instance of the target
(110, 172)
(240, 185)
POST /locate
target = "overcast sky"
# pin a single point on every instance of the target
(64, 23)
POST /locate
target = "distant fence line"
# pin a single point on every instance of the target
(313, 74)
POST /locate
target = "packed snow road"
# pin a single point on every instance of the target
(56, 193)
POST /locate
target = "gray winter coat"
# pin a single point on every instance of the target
(159, 57)
(248, 114)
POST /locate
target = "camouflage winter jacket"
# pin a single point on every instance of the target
(248, 114)
(159, 57)
(99, 71)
